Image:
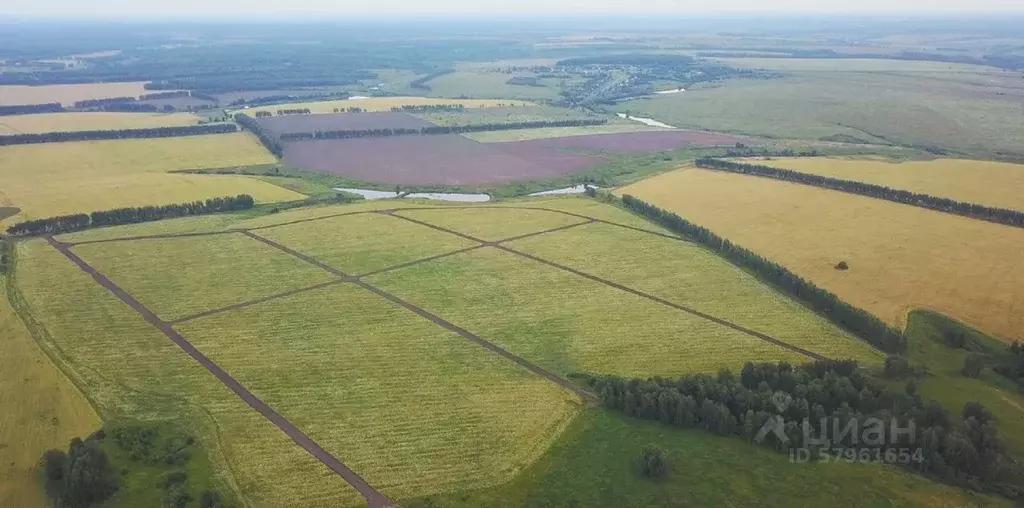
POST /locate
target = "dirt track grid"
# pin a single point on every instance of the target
(374, 498)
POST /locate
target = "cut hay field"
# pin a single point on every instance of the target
(995, 184)
(53, 179)
(68, 94)
(901, 257)
(91, 121)
(42, 409)
(130, 370)
(440, 372)
(412, 407)
(386, 103)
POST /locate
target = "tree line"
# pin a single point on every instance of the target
(439, 129)
(99, 103)
(972, 210)
(858, 321)
(421, 83)
(131, 215)
(29, 109)
(296, 111)
(164, 95)
(155, 132)
(269, 140)
(420, 108)
(826, 407)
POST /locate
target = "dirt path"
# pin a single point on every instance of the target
(662, 301)
(374, 499)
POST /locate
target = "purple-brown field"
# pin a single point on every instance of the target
(421, 160)
(287, 124)
(630, 142)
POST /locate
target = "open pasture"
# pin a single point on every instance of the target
(386, 372)
(418, 160)
(371, 104)
(995, 184)
(901, 257)
(54, 179)
(502, 115)
(287, 124)
(91, 121)
(67, 95)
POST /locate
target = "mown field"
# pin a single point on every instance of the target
(901, 257)
(385, 104)
(53, 179)
(130, 370)
(988, 183)
(943, 110)
(42, 409)
(411, 407)
(414, 408)
(68, 94)
(91, 121)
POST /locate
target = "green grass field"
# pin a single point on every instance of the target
(492, 224)
(930, 110)
(177, 277)
(592, 466)
(129, 370)
(501, 115)
(410, 406)
(364, 243)
(569, 324)
(686, 274)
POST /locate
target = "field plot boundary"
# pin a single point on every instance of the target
(373, 498)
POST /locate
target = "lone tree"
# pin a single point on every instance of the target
(652, 462)
(842, 266)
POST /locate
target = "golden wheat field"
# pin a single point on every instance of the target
(386, 103)
(67, 94)
(988, 183)
(53, 179)
(901, 257)
(91, 121)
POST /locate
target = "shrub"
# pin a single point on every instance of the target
(896, 367)
(842, 266)
(652, 462)
(973, 364)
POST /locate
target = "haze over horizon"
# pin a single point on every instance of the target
(299, 8)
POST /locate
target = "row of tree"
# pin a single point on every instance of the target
(132, 215)
(858, 321)
(824, 408)
(99, 103)
(973, 210)
(164, 95)
(269, 139)
(156, 132)
(29, 109)
(295, 111)
(439, 129)
(263, 114)
(420, 108)
(421, 82)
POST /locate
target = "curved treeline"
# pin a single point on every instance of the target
(29, 109)
(76, 222)
(806, 410)
(439, 129)
(266, 137)
(156, 132)
(860, 322)
(972, 210)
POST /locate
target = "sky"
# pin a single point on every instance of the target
(349, 8)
